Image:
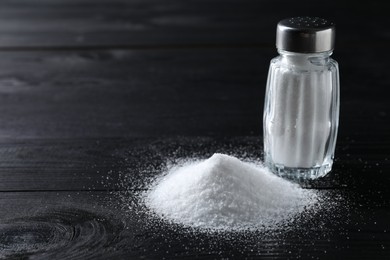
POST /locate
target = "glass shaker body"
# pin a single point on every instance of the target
(301, 114)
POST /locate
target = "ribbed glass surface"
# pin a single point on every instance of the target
(301, 114)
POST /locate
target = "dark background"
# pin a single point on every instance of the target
(96, 94)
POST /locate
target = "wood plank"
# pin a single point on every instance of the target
(136, 23)
(84, 225)
(128, 163)
(121, 23)
(55, 165)
(130, 93)
(123, 93)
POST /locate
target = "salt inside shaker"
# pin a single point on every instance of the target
(301, 109)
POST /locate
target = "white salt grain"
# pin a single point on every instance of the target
(223, 193)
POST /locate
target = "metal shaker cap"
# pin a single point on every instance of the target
(305, 34)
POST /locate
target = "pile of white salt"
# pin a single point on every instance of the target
(223, 193)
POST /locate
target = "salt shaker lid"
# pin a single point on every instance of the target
(305, 34)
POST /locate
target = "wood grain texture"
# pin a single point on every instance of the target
(139, 23)
(124, 93)
(96, 96)
(98, 225)
(121, 23)
(120, 164)
(129, 93)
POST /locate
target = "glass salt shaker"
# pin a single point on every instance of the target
(301, 110)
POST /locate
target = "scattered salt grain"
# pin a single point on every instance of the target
(224, 193)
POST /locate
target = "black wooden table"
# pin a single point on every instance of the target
(97, 95)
